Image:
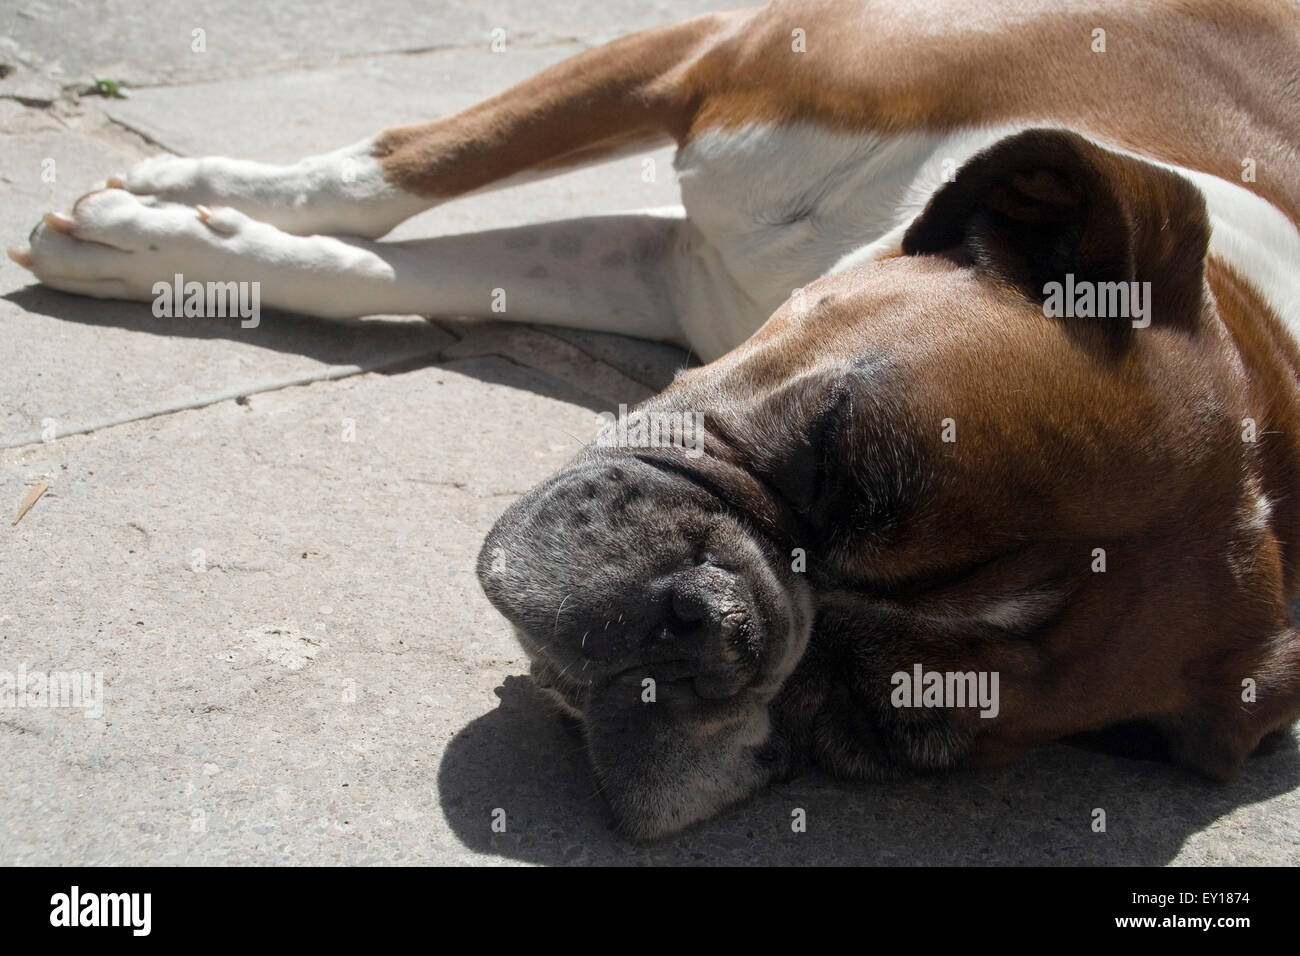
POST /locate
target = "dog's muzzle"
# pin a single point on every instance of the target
(617, 565)
(655, 613)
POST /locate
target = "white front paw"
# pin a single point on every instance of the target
(117, 245)
(339, 193)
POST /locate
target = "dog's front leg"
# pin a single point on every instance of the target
(626, 96)
(610, 273)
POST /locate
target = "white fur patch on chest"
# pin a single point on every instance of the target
(1257, 240)
(774, 207)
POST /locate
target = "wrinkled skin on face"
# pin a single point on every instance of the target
(918, 466)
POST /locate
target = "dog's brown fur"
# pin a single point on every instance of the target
(879, 65)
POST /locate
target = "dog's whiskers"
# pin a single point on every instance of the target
(556, 627)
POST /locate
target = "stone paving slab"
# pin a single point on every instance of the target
(151, 42)
(287, 115)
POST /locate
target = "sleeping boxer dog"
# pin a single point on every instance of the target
(999, 435)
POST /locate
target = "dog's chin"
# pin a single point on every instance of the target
(668, 747)
(667, 764)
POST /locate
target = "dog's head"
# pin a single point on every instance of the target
(924, 464)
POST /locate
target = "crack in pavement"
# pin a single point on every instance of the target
(128, 128)
(69, 91)
(336, 373)
(328, 375)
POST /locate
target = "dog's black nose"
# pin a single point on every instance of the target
(688, 612)
(709, 618)
(682, 615)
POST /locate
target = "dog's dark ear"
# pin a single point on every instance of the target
(1045, 203)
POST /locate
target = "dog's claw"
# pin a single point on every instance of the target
(223, 222)
(115, 182)
(21, 256)
(59, 222)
